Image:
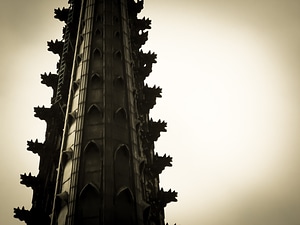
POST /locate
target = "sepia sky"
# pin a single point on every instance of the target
(229, 71)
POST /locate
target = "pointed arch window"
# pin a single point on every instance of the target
(98, 33)
(117, 34)
(124, 207)
(92, 163)
(119, 81)
(91, 157)
(97, 53)
(89, 205)
(118, 55)
(120, 114)
(96, 81)
(94, 115)
(122, 170)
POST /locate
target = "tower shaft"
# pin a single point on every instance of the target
(100, 138)
(98, 165)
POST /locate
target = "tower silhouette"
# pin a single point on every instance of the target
(97, 163)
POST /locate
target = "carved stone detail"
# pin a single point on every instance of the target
(22, 214)
(35, 147)
(159, 164)
(61, 14)
(29, 180)
(56, 47)
(165, 197)
(43, 113)
(50, 80)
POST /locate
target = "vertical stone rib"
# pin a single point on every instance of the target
(58, 184)
(131, 106)
(104, 114)
(87, 33)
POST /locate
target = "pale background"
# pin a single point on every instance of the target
(230, 77)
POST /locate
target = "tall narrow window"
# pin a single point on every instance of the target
(96, 81)
(117, 34)
(124, 210)
(97, 54)
(92, 164)
(118, 54)
(120, 114)
(119, 81)
(122, 170)
(92, 157)
(94, 115)
(98, 33)
(89, 206)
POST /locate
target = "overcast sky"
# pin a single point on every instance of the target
(229, 71)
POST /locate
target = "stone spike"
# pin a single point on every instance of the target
(61, 14)
(55, 47)
(50, 80)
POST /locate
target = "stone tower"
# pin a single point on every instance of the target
(97, 164)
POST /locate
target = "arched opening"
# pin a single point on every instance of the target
(124, 207)
(121, 114)
(98, 33)
(92, 163)
(117, 34)
(122, 167)
(89, 205)
(118, 54)
(94, 115)
(91, 158)
(96, 81)
(97, 53)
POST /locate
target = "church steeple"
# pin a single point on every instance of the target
(104, 169)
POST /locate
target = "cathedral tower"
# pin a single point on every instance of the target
(97, 164)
